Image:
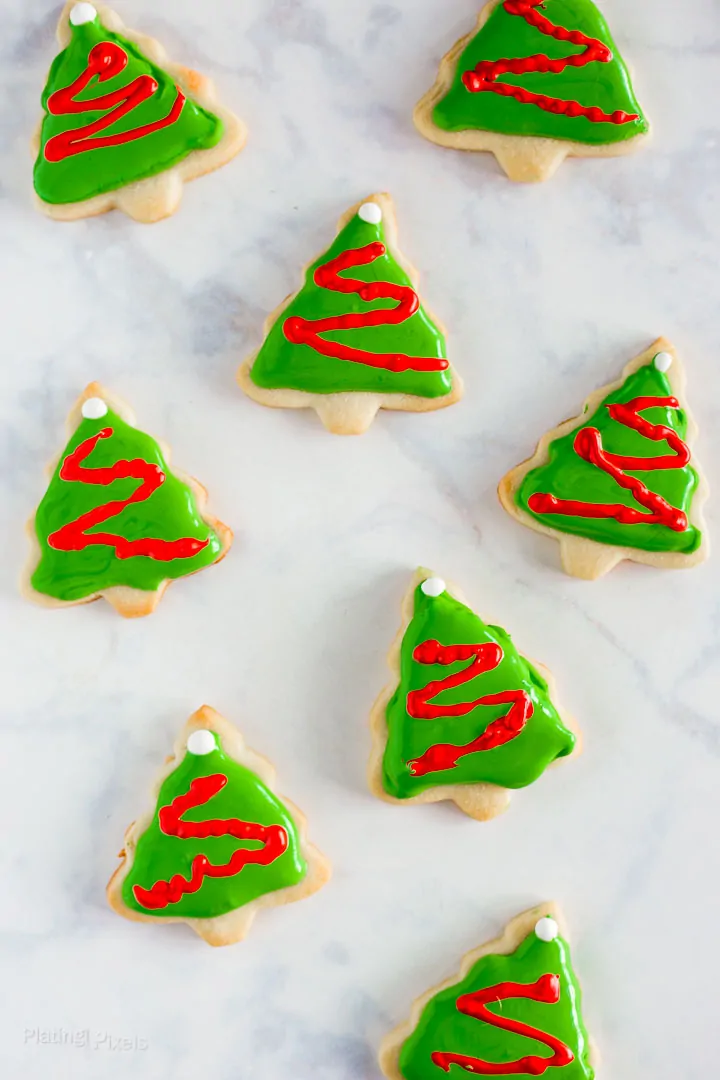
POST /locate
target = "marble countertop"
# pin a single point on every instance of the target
(547, 291)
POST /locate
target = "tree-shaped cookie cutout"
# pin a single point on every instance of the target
(514, 1009)
(220, 844)
(536, 81)
(355, 338)
(619, 481)
(123, 126)
(115, 521)
(468, 718)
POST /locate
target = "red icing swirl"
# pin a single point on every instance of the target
(301, 331)
(273, 837)
(588, 446)
(106, 60)
(485, 657)
(545, 989)
(74, 537)
(485, 74)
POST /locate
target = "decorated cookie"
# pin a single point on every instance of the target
(355, 338)
(115, 521)
(536, 81)
(468, 718)
(123, 126)
(514, 1009)
(619, 481)
(220, 843)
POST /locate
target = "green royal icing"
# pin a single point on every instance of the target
(95, 171)
(513, 765)
(282, 364)
(603, 85)
(159, 857)
(170, 513)
(442, 1028)
(567, 476)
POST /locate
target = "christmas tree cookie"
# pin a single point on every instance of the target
(619, 481)
(468, 718)
(115, 521)
(514, 1009)
(219, 844)
(123, 125)
(355, 338)
(536, 81)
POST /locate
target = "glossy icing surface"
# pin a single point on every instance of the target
(313, 332)
(573, 473)
(532, 988)
(550, 70)
(496, 721)
(388, 321)
(240, 814)
(112, 117)
(120, 518)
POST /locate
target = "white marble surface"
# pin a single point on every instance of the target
(547, 292)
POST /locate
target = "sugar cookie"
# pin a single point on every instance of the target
(123, 125)
(621, 480)
(468, 718)
(188, 860)
(115, 521)
(355, 338)
(514, 1007)
(518, 86)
